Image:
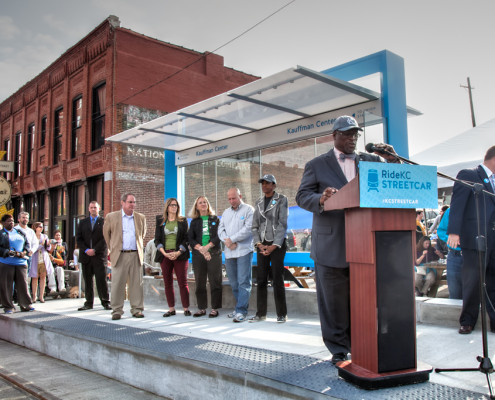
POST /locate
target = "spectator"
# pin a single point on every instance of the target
(41, 264)
(58, 270)
(235, 233)
(269, 232)
(150, 266)
(420, 228)
(437, 220)
(93, 257)
(173, 254)
(306, 241)
(454, 260)
(124, 233)
(14, 248)
(425, 277)
(23, 220)
(207, 256)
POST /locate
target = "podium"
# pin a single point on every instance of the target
(380, 249)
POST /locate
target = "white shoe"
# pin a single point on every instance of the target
(231, 315)
(240, 317)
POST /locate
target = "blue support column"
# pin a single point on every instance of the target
(170, 175)
(393, 88)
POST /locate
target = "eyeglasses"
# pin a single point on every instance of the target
(173, 205)
(349, 135)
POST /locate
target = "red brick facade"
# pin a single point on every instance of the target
(137, 71)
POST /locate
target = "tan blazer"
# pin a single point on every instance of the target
(112, 231)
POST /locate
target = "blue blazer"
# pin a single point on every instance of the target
(462, 219)
(328, 232)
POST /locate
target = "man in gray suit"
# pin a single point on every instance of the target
(323, 177)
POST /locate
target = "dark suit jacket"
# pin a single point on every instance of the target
(328, 232)
(181, 242)
(462, 219)
(85, 237)
(195, 234)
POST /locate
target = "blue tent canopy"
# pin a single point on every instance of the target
(299, 218)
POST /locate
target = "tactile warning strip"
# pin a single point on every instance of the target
(302, 371)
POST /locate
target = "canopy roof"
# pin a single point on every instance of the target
(290, 95)
(465, 150)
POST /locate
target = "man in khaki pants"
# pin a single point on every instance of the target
(124, 232)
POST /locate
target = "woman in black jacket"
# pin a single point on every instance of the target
(207, 255)
(173, 254)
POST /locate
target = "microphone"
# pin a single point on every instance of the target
(371, 148)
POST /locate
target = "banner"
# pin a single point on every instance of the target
(386, 185)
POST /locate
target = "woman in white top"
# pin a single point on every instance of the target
(40, 263)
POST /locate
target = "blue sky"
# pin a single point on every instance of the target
(442, 43)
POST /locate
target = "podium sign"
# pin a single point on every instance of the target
(386, 185)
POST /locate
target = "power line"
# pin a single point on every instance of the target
(207, 53)
(49, 130)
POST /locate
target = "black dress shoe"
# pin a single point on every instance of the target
(169, 313)
(465, 329)
(107, 307)
(84, 308)
(338, 357)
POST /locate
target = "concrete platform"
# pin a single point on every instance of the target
(187, 358)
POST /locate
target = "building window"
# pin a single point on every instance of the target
(96, 185)
(30, 149)
(43, 131)
(59, 210)
(17, 159)
(57, 135)
(76, 127)
(98, 117)
(6, 148)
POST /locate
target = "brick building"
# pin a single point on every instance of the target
(54, 127)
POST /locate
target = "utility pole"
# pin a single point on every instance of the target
(468, 87)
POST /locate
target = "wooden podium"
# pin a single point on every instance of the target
(380, 248)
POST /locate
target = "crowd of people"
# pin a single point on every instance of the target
(119, 237)
(31, 265)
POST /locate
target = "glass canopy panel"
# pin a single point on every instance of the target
(283, 97)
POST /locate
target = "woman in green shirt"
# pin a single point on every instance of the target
(207, 256)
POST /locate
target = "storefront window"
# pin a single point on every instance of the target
(286, 162)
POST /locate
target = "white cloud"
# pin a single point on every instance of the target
(54, 23)
(8, 29)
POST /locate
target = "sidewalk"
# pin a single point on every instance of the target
(440, 347)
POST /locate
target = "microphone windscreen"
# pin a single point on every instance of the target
(369, 147)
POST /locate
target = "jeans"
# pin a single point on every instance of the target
(239, 272)
(454, 278)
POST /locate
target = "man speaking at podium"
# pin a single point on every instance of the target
(323, 177)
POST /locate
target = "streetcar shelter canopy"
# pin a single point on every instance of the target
(294, 96)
